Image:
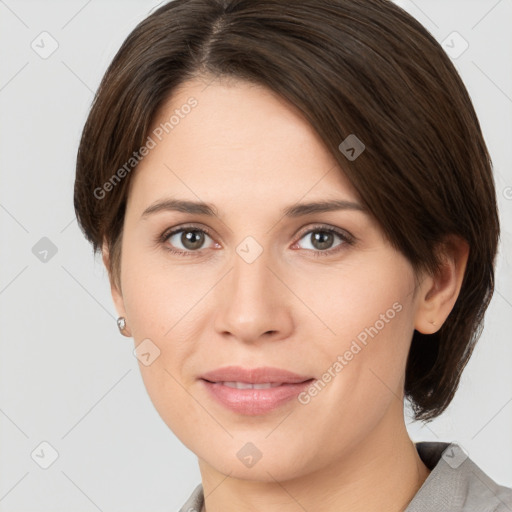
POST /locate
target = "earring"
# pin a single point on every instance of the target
(121, 324)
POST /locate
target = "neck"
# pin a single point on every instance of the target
(382, 472)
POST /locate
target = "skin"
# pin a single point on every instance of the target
(251, 154)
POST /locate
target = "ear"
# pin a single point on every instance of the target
(438, 293)
(117, 295)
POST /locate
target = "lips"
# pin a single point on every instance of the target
(262, 375)
(253, 391)
(246, 385)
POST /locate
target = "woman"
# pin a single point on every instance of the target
(296, 208)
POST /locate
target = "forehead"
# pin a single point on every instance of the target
(217, 140)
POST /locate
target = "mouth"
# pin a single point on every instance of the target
(248, 385)
(254, 391)
(261, 375)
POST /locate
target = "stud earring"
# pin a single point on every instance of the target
(121, 324)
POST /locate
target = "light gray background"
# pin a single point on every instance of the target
(67, 376)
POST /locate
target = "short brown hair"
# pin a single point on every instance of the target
(362, 67)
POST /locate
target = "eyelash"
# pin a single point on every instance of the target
(346, 238)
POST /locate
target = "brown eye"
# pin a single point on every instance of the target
(186, 240)
(322, 239)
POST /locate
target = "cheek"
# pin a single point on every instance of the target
(361, 370)
(157, 295)
(161, 309)
(365, 301)
(368, 320)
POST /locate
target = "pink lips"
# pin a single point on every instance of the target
(284, 386)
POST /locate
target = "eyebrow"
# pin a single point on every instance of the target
(208, 209)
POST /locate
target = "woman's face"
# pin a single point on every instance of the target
(252, 286)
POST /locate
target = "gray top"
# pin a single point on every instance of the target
(455, 484)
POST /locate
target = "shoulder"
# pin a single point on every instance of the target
(456, 483)
(485, 493)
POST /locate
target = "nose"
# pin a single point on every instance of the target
(253, 302)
